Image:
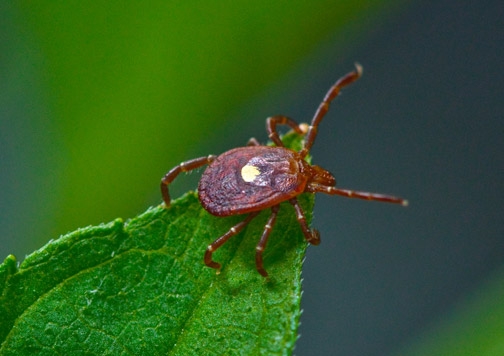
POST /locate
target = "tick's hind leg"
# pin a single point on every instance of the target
(182, 167)
(222, 240)
(264, 240)
(312, 236)
(273, 121)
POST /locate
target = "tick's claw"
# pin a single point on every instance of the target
(262, 272)
(315, 240)
(214, 265)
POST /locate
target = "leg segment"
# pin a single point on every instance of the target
(182, 167)
(317, 188)
(222, 240)
(264, 240)
(273, 121)
(324, 106)
(312, 236)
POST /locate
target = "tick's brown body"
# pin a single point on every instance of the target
(247, 180)
(282, 174)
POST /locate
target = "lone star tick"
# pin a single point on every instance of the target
(247, 180)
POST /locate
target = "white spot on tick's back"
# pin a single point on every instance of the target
(249, 173)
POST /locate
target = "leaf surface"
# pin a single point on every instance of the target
(141, 287)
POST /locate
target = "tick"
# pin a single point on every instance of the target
(247, 180)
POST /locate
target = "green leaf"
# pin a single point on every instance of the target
(141, 288)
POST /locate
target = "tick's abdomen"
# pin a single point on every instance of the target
(248, 179)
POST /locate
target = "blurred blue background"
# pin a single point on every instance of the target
(98, 101)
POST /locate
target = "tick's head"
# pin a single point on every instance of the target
(320, 176)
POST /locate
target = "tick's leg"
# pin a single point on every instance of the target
(253, 142)
(317, 188)
(222, 240)
(273, 121)
(312, 236)
(264, 240)
(175, 171)
(324, 106)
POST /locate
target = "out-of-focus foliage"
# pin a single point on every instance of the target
(474, 327)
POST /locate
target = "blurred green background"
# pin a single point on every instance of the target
(102, 98)
(99, 99)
